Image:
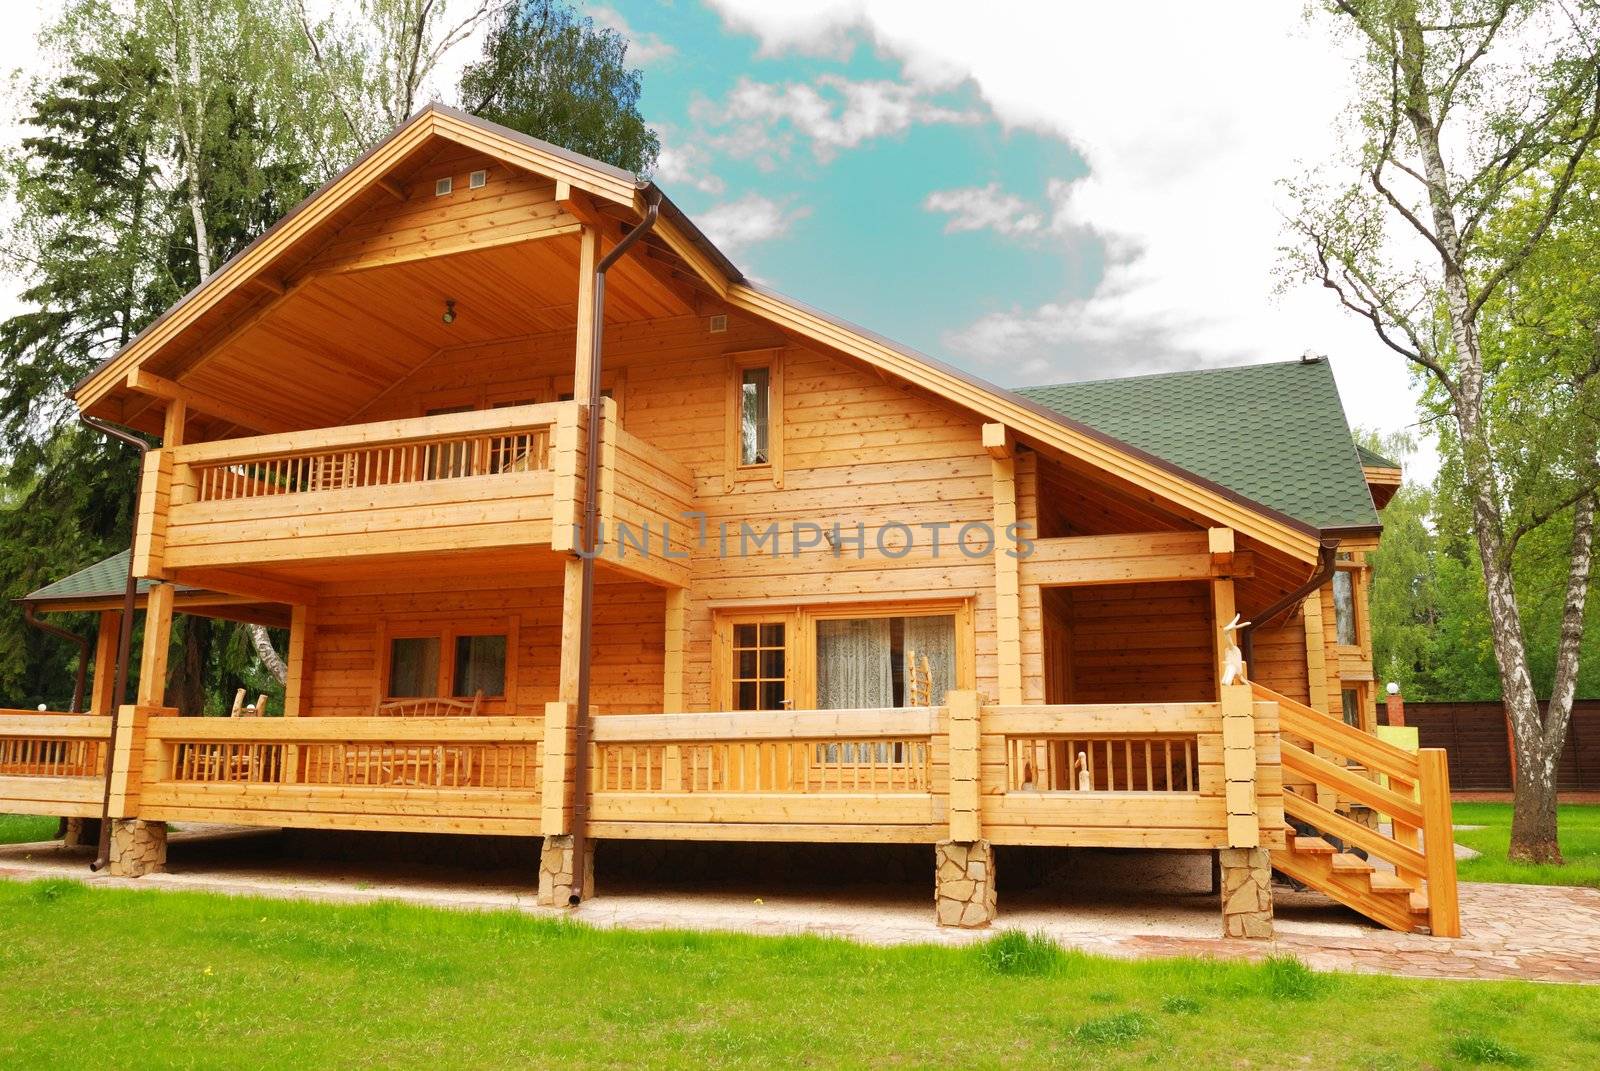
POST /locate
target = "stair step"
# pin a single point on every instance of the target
(1311, 845)
(1385, 882)
(1348, 863)
(1419, 902)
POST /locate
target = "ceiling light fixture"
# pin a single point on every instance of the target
(449, 316)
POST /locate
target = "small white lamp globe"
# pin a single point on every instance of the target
(1394, 689)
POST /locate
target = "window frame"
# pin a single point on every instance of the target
(447, 628)
(800, 637)
(772, 359)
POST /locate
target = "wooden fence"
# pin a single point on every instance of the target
(1474, 734)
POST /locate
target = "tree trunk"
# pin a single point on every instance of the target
(268, 653)
(186, 689)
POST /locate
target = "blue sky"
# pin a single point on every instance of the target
(852, 234)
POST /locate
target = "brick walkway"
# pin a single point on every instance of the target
(1531, 932)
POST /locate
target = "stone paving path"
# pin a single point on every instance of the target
(1510, 931)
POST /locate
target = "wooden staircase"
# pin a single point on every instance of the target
(1407, 880)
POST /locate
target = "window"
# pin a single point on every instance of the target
(452, 658)
(413, 667)
(755, 415)
(1351, 699)
(760, 664)
(1344, 608)
(866, 662)
(480, 666)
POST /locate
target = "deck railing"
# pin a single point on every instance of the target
(470, 774)
(52, 763)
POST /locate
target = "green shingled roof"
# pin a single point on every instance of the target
(103, 579)
(1274, 433)
(1374, 459)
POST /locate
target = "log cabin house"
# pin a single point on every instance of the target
(841, 592)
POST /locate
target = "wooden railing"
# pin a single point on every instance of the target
(834, 774)
(1345, 763)
(1102, 763)
(52, 763)
(644, 495)
(453, 481)
(480, 774)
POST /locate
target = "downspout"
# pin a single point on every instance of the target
(124, 635)
(587, 550)
(81, 642)
(1327, 558)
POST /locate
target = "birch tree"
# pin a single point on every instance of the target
(1470, 113)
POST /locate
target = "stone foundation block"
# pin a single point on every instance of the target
(1246, 892)
(557, 866)
(963, 883)
(80, 833)
(137, 848)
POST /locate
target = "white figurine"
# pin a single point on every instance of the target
(1085, 778)
(1232, 657)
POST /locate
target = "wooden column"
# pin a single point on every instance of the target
(1239, 765)
(1317, 681)
(1223, 607)
(1444, 912)
(1007, 578)
(965, 821)
(588, 250)
(555, 806)
(297, 684)
(571, 608)
(157, 635)
(102, 696)
(175, 423)
(676, 640)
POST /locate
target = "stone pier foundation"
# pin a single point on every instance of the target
(137, 848)
(963, 883)
(557, 866)
(80, 833)
(1246, 892)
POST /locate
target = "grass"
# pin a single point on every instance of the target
(26, 828)
(90, 976)
(1579, 826)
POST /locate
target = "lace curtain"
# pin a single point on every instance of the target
(935, 638)
(854, 667)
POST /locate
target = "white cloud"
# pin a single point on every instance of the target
(976, 208)
(832, 113)
(737, 225)
(643, 48)
(1186, 118)
(683, 162)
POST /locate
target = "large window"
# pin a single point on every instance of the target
(844, 658)
(884, 661)
(459, 660)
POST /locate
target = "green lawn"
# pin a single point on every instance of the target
(109, 977)
(1579, 826)
(26, 828)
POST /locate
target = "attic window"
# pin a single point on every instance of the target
(443, 186)
(477, 180)
(719, 324)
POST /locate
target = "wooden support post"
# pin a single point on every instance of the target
(1438, 836)
(150, 526)
(1007, 575)
(297, 684)
(555, 808)
(175, 424)
(1222, 610)
(964, 714)
(103, 695)
(1317, 682)
(676, 641)
(157, 636)
(588, 255)
(571, 609)
(128, 758)
(1239, 765)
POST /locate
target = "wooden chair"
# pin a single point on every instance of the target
(242, 711)
(919, 680)
(428, 707)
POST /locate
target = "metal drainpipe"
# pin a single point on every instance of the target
(124, 634)
(588, 550)
(1327, 557)
(81, 642)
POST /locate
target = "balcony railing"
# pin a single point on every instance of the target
(52, 763)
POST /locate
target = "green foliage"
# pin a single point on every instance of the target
(1478, 1049)
(26, 828)
(1016, 952)
(550, 72)
(1120, 1028)
(1286, 978)
(1580, 846)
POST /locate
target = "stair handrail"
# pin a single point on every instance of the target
(1428, 814)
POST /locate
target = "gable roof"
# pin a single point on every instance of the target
(1374, 460)
(1192, 491)
(1275, 433)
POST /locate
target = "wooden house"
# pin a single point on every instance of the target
(842, 592)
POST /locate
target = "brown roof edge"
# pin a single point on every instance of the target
(1050, 414)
